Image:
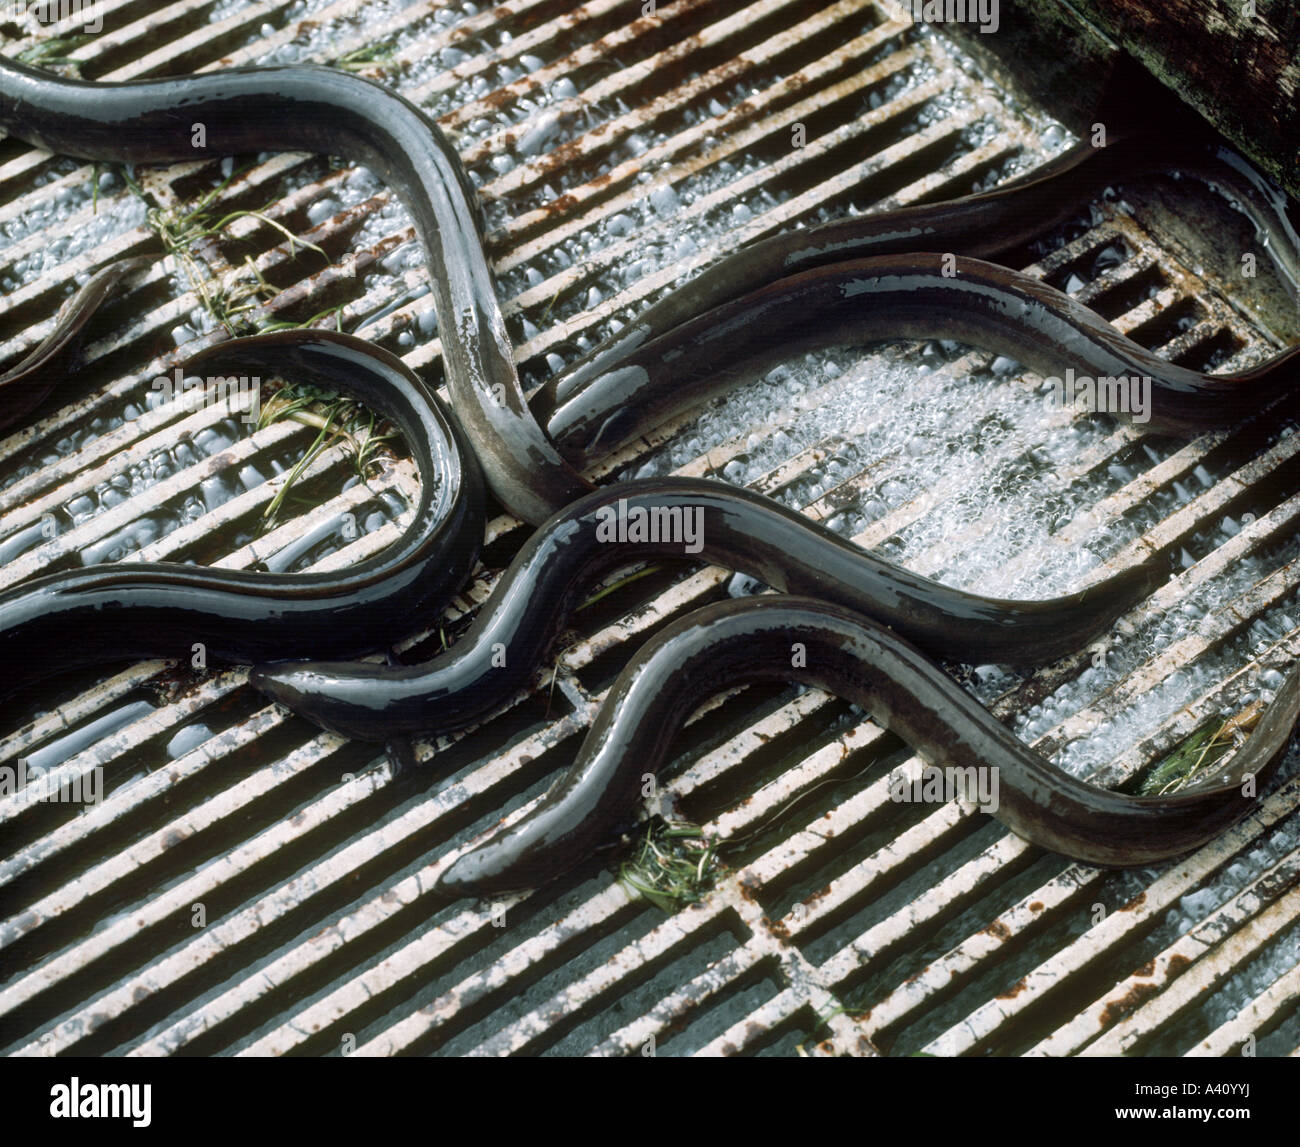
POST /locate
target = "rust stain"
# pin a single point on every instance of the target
(499, 98)
(1036, 906)
(820, 894)
(999, 930)
(1136, 902)
(1012, 992)
(1116, 1010)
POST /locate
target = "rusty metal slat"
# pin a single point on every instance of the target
(1154, 977)
(97, 881)
(70, 543)
(1214, 628)
(620, 40)
(451, 934)
(51, 291)
(733, 754)
(402, 479)
(1174, 882)
(676, 1007)
(737, 127)
(627, 79)
(1279, 997)
(550, 31)
(758, 1025)
(664, 941)
(179, 898)
(600, 912)
(138, 794)
(288, 897)
(148, 27)
(988, 945)
(1187, 990)
(952, 893)
(73, 771)
(73, 21)
(73, 712)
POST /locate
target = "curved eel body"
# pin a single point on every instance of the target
(976, 226)
(318, 109)
(697, 520)
(533, 471)
(735, 642)
(159, 609)
(903, 296)
(24, 386)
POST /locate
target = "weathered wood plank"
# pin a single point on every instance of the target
(1236, 62)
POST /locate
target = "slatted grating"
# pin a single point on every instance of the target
(249, 885)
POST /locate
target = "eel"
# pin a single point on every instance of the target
(705, 521)
(979, 226)
(751, 639)
(306, 107)
(123, 610)
(25, 385)
(909, 295)
(531, 457)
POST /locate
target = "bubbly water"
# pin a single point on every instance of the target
(115, 213)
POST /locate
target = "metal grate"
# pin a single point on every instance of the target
(618, 153)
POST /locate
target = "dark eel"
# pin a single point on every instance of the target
(722, 525)
(899, 296)
(326, 110)
(311, 108)
(24, 386)
(663, 357)
(747, 640)
(159, 609)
